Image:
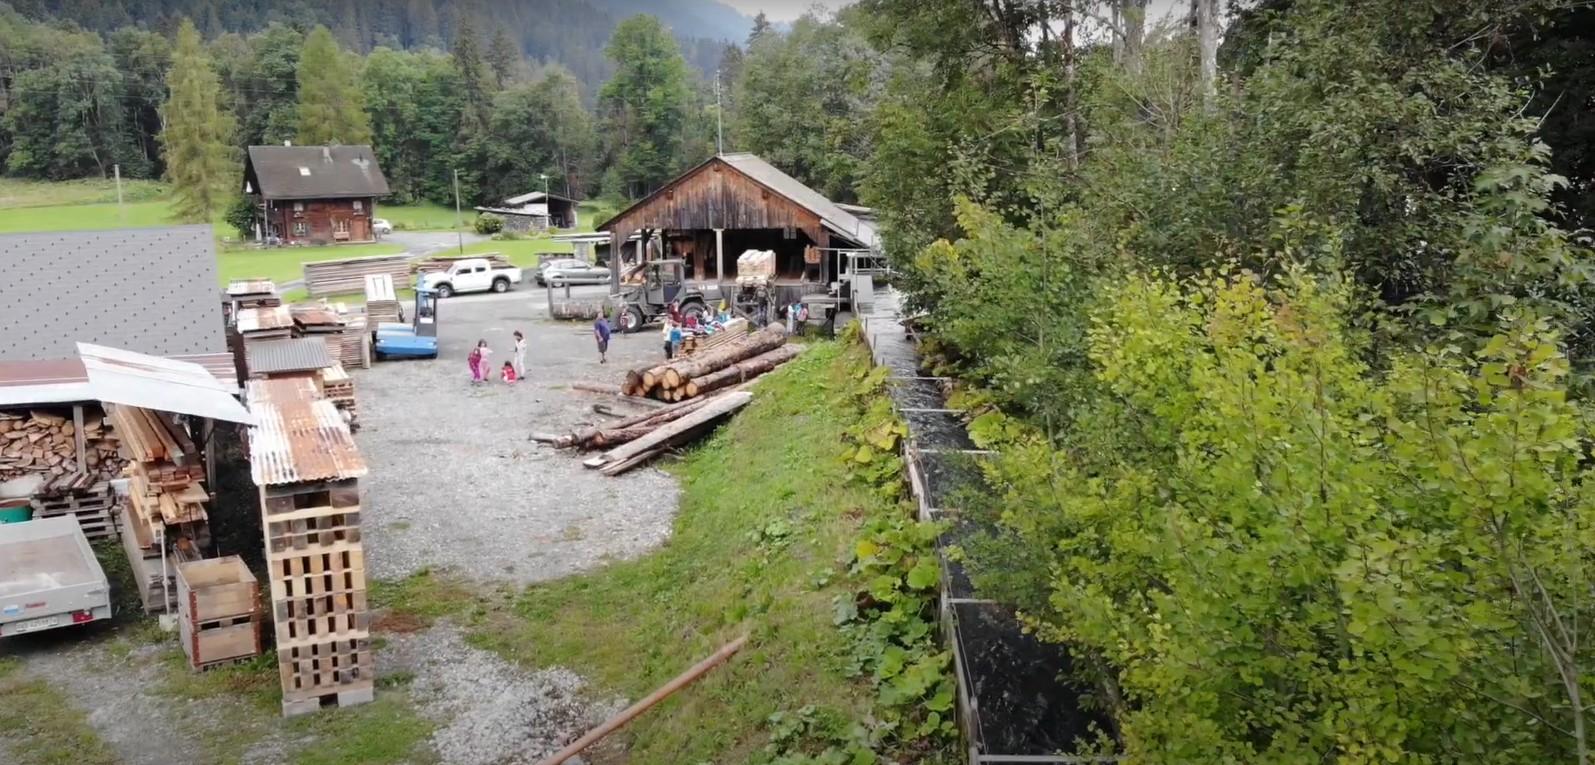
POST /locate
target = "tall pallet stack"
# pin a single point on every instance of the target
(304, 459)
(382, 303)
(164, 518)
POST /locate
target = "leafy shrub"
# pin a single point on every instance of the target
(488, 223)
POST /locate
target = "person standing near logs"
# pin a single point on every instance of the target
(669, 329)
(520, 354)
(601, 335)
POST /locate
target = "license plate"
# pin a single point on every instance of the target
(34, 625)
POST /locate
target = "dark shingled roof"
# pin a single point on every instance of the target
(315, 172)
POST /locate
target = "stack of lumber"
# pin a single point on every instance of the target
(635, 440)
(733, 330)
(341, 277)
(257, 292)
(218, 611)
(166, 498)
(264, 323)
(732, 363)
(338, 387)
(43, 443)
(344, 332)
(382, 303)
(442, 262)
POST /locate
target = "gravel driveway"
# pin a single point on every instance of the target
(456, 484)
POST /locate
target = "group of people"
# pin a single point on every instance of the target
(514, 369)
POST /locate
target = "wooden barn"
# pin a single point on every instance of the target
(314, 194)
(733, 203)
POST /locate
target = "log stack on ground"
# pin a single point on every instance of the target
(669, 381)
(669, 434)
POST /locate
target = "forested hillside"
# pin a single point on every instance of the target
(570, 33)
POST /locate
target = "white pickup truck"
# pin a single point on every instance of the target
(471, 275)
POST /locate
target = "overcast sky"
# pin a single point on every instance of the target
(787, 10)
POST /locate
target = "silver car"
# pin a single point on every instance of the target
(558, 273)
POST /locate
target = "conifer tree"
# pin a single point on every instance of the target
(331, 104)
(197, 132)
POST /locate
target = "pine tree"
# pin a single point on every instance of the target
(761, 27)
(473, 76)
(502, 56)
(331, 104)
(197, 131)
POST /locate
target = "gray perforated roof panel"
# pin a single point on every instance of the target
(150, 290)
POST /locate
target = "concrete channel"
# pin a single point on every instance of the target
(1015, 702)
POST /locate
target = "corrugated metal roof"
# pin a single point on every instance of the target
(64, 381)
(270, 317)
(117, 376)
(316, 172)
(300, 354)
(316, 315)
(240, 287)
(535, 196)
(299, 437)
(151, 290)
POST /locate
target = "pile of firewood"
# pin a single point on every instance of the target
(634, 440)
(710, 370)
(42, 443)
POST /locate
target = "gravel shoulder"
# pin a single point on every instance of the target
(455, 482)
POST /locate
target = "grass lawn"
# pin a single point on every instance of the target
(283, 263)
(86, 204)
(43, 725)
(422, 216)
(767, 519)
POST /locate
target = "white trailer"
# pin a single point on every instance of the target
(49, 577)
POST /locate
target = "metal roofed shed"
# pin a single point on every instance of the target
(300, 354)
(298, 436)
(150, 290)
(136, 379)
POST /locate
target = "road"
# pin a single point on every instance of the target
(415, 244)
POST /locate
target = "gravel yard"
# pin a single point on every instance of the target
(456, 484)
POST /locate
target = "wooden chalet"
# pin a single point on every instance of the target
(314, 194)
(733, 203)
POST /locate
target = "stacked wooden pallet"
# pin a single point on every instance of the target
(355, 348)
(382, 303)
(733, 330)
(344, 332)
(219, 613)
(165, 497)
(342, 277)
(307, 467)
(338, 387)
(43, 443)
(94, 509)
(253, 293)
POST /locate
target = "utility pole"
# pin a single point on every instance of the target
(459, 226)
(719, 117)
(548, 209)
(121, 212)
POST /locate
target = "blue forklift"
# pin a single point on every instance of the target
(416, 340)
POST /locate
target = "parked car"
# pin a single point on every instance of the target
(559, 273)
(381, 226)
(471, 275)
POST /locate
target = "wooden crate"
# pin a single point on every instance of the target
(218, 608)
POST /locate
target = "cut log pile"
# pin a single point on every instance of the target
(43, 443)
(637, 439)
(734, 330)
(165, 519)
(729, 364)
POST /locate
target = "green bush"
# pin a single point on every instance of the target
(488, 223)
